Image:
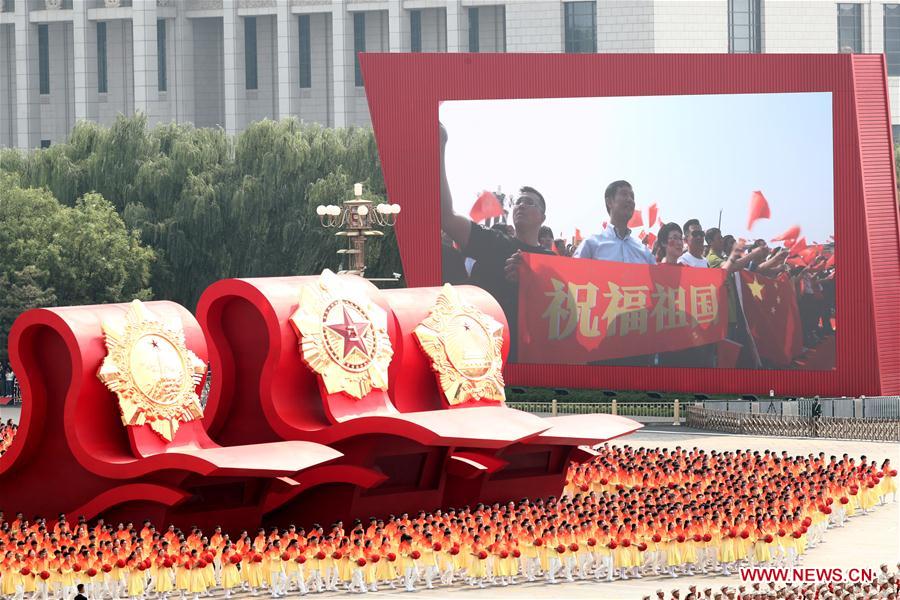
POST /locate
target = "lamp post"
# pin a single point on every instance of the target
(355, 219)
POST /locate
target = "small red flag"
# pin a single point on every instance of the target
(798, 246)
(652, 215)
(578, 237)
(636, 220)
(650, 239)
(792, 233)
(605, 224)
(485, 207)
(759, 208)
(830, 261)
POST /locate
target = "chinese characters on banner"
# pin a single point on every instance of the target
(576, 311)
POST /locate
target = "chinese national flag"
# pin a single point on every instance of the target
(798, 246)
(578, 237)
(650, 239)
(652, 215)
(636, 220)
(770, 307)
(759, 208)
(485, 207)
(792, 233)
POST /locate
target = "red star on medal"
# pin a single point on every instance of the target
(352, 332)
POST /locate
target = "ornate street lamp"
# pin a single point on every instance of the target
(355, 219)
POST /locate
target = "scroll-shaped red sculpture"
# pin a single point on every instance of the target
(330, 399)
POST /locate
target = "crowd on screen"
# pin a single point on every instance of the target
(7, 433)
(489, 257)
(628, 513)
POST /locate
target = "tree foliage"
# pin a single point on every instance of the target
(212, 206)
(51, 253)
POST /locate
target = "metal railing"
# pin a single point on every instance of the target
(875, 407)
(793, 425)
(663, 409)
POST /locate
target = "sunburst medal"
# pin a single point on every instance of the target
(465, 346)
(151, 371)
(343, 336)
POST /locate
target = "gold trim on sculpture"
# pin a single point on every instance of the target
(465, 346)
(343, 336)
(151, 371)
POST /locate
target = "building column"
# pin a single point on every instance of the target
(457, 27)
(342, 61)
(84, 37)
(28, 115)
(233, 44)
(395, 27)
(286, 28)
(184, 67)
(146, 75)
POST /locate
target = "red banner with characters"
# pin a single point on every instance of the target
(576, 311)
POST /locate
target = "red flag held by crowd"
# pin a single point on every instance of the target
(636, 219)
(485, 207)
(773, 318)
(798, 246)
(652, 215)
(792, 233)
(759, 209)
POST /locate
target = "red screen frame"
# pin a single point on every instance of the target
(404, 92)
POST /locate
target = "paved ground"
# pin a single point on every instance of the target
(867, 541)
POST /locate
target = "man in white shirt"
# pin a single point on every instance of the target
(694, 256)
(615, 243)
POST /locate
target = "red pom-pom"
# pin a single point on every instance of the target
(213, 551)
(391, 556)
(516, 553)
(141, 566)
(796, 535)
(804, 529)
(539, 542)
(337, 555)
(320, 555)
(854, 491)
(827, 510)
(782, 533)
(657, 538)
(807, 522)
(732, 534)
(300, 559)
(672, 485)
(234, 559)
(560, 548)
(168, 563)
(626, 543)
(893, 472)
(374, 558)
(745, 534)
(768, 539)
(573, 547)
(201, 564)
(845, 500)
(504, 554)
(77, 568)
(482, 555)
(619, 487)
(415, 555)
(361, 562)
(829, 501)
(642, 547)
(106, 568)
(454, 551)
(698, 537)
(680, 539)
(147, 563)
(120, 563)
(257, 558)
(25, 571)
(870, 485)
(585, 488)
(591, 542)
(879, 474)
(436, 547)
(604, 481)
(612, 545)
(707, 537)
(285, 556)
(92, 572)
(45, 575)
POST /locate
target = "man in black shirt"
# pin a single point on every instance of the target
(80, 595)
(497, 255)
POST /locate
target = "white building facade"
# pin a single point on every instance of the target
(231, 62)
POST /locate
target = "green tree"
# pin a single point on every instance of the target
(55, 254)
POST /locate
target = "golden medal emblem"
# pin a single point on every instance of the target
(465, 346)
(151, 371)
(343, 337)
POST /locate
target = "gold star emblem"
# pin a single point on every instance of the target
(343, 336)
(465, 346)
(756, 288)
(151, 371)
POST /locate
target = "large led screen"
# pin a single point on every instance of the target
(673, 231)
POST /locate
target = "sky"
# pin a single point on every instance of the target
(691, 155)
